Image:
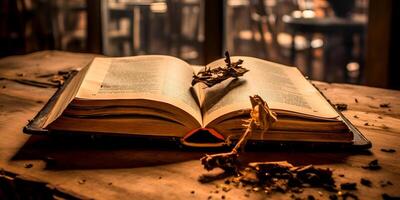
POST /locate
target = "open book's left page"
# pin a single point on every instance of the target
(162, 79)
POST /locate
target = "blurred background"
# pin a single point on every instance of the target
(351, 41)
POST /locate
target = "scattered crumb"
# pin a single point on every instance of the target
(366, 124)
(384, 105)
(82, 181)
(365, 182)
(110, 183)
(28, 165)
(39, 101)
(380, 117)
(385, 183)
(341, 175)
(192, 192)
(348, 186)
(341, 106)
(356, 100)
(355, 116)
(388, 150)
(226, 188)
(373, 165)
(389, 197)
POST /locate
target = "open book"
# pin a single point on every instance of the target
(152, 96)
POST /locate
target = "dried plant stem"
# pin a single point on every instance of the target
(260, 117)
(242, 141)
(228, 161)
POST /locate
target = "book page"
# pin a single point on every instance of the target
(159, 78)
(283, 88)
(66, 96)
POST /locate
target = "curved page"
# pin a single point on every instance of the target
(159, 78)
(282, 87)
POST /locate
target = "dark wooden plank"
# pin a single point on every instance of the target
(383, 45)
(94, 30)
(213, 30)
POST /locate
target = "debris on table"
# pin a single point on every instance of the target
(28, 165)
(373, 165)
(388, 150)
(341, 106)
(348, 186)
(53, 81)
(384, 105)
(281, 177)
(385, 183)
(366, 182)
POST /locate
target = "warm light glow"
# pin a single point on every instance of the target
(308, 14)
(159, 7)
(296, 14)
(352, 66)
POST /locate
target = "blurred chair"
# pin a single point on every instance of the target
(126, 27)
(25, 26)
(69, 24)
(268, 32)
(266, 25)
(186, 35)
(330, 27)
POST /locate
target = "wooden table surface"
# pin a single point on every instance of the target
(65, 167)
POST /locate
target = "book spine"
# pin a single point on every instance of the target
(218, 139)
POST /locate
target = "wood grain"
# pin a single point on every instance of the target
(71, 167)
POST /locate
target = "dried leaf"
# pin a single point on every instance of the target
(211, 77)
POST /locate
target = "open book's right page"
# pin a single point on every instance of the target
(284, 88)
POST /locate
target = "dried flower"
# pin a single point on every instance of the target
(211, 77)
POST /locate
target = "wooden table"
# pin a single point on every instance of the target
(65, 167)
